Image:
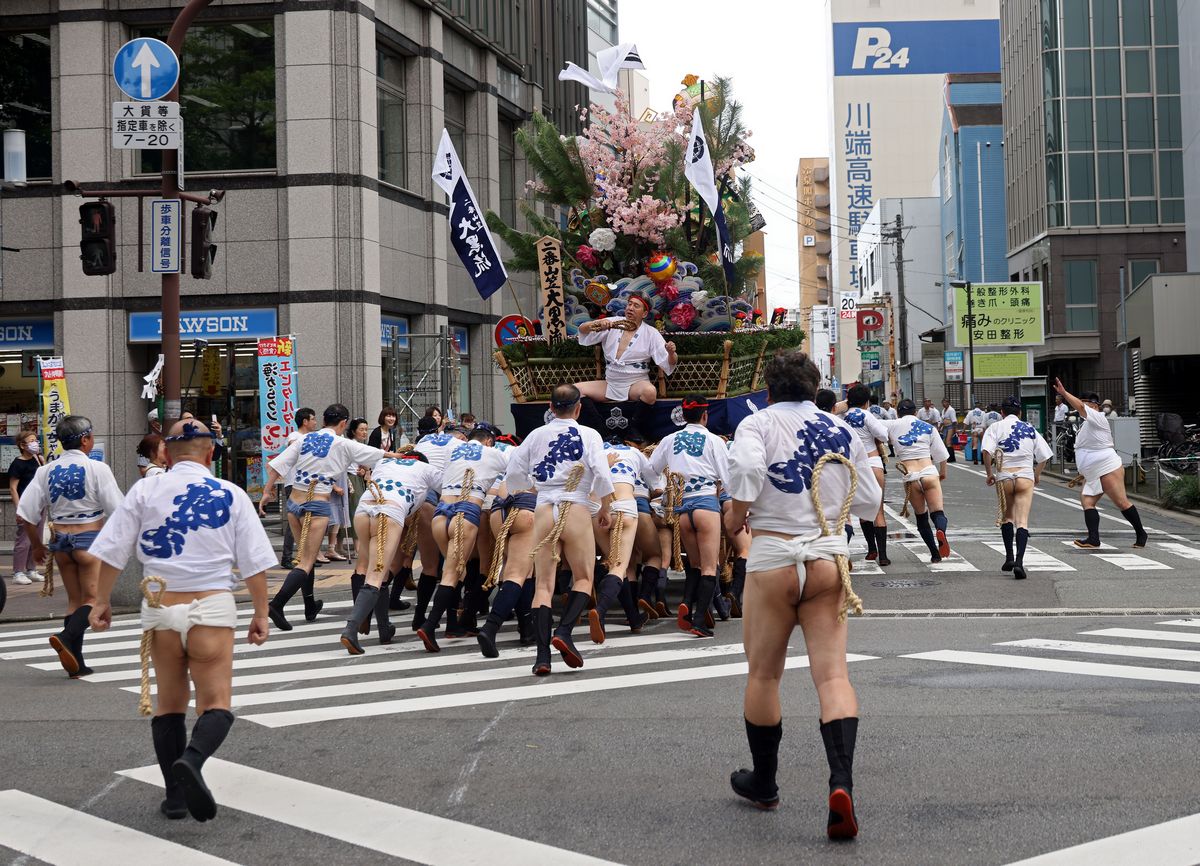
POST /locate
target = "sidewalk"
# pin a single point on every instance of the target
(25, 603)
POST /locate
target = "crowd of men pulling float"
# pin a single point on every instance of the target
(496, 529)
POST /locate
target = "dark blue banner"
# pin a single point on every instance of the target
(916, 47)
(724, 246)
(473, 242)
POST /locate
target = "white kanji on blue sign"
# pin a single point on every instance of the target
(165, 237)
(146, 68)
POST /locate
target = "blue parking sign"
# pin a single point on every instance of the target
(146, 68)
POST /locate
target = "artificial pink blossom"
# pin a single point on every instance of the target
(587, 257)
(670, 291)
(683, 315)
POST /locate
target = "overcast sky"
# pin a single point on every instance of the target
(776, 53)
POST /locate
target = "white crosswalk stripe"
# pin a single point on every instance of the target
(1150, 648)
(1178, 549)
(305, 676)
(955, 562)
(1034, 560)
(56, 834)
(1132, 562)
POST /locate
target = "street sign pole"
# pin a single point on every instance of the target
(172, 399)
(970, 349)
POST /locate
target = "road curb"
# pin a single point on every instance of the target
(1190, 514)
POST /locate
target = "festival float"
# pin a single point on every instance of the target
(637, 222)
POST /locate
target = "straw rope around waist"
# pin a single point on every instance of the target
(305, 523)
(561, 521)
(851, 603)
(153, 599)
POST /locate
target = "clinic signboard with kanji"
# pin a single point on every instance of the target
(999, 314)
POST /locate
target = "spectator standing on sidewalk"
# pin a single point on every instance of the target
(20, 472)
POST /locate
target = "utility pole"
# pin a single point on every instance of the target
(896, 236)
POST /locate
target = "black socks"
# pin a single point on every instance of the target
(208, 733)
(926, 533)
(1006, 532)
(939, 520)
(356, 583)
(443, 598)
(426, 584)
(576, 602)
(170, 739)
(691, 580)
(1022, 541)
(387, 631)
(364, 607)
(291, 585)
(868, 531)
(543, 618)
(880, 545)
(758, 785)
(840, 736)
(1135, 520)
(738, 584)
(629, 604)
(506, 600)
(648, 583)
(608, 588)
(1091, 519)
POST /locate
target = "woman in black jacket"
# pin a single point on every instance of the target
(384, 436)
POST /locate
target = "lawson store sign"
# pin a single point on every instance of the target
(224, 325)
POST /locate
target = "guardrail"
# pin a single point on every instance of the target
(1148, 472)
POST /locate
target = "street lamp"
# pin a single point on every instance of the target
(966, 284)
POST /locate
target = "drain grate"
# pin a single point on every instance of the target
(904, 584)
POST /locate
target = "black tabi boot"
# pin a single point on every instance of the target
(543, 618)
(68, 641)
(426, 584)
(1019, 565)
(868, 531)
(1135, 520)
(395, 602)
(77, 648)
(208, 733)
(525, 627)
(926, 533)
(720, 603)
(649, 578)
(1091, 519)
(758, 785)
(881, 544)
(506, 601)
(312, 605)
(356, 584)
(701, 620)
(940, 525)
(291, 585)
(473, 594)
(383, 622)
(170, 739)
(364, 606)
(1007, 533)
(609, 587)
(839, 736)
(452, 627)
(737, 586)
(576, 602)
(443, 598)
(634, 616)
(691, 580)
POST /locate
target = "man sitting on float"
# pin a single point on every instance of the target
(630, 344)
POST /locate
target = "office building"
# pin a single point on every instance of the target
(1093, 168)
(1189, 86)
(321, 121)
(815, 239)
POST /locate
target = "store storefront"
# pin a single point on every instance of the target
(218, 375)
(21, 341)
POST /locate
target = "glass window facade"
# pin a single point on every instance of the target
(1080, 278)
(392, 105)
(1113, 129)
(228, 97)
(25, 85)
(456, 119)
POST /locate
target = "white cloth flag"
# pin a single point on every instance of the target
(469, 234)
(611, 61)
(150, 389)
(699, 166)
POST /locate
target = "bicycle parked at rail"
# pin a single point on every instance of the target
(1180, 442)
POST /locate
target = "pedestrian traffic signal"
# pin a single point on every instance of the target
(98, 242)
(204, 251)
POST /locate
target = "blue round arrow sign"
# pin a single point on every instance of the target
(146, 68)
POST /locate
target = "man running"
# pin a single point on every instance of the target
(923, 454)
(1101, 466)
(401, 482)
(566, 462)
(190, 531)
(949, 427)
(793, 577)
(870, 432)
(436, 447)
(974, 422)
(75, 493)
(700, 462)
(313, 464)
(456, 521)
(1017, 453)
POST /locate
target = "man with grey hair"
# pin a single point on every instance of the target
(76, 494)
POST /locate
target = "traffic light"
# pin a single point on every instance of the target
(98, 240)
(204, 251)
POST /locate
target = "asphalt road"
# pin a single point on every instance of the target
(977, 750)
